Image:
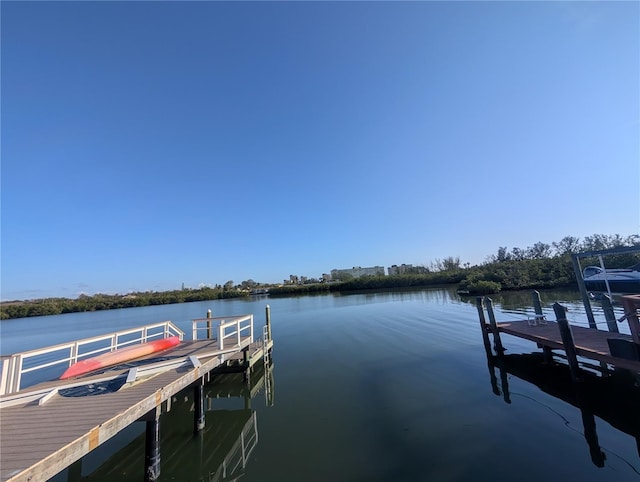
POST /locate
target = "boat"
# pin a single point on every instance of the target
(626, 280)
(119, 356)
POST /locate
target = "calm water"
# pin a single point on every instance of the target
(365, 387)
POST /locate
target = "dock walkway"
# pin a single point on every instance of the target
(43, 434)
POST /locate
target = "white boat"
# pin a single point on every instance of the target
(625, 280)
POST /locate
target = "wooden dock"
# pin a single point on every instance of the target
(576, 341)
(47, 427)
(589, 343)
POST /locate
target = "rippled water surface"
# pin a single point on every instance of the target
(364, 387)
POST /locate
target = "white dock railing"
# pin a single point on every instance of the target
(15, 366)
(226, 328)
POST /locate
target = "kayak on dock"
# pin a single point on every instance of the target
(119, 356)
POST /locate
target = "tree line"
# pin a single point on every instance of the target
(536, 267)
(97, 302)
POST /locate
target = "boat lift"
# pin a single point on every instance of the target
(575, 259)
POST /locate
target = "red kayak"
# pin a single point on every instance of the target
(119, 356)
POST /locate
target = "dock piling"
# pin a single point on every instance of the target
(209, 325)
(609, 315)
(268, 320)
(497, 343)
(483, 326)
(567, 340)
(198, 407)
(537, 305)
(152, 447)
(246, 365)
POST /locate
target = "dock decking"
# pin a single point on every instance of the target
(43, 434)
(589, 343)
(576, 341)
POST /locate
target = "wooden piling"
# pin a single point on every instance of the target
(497, 343)
(247, 365)
(537, 305)
(209, 325)
(483, 326)
(609, 314)
(152, 447)
(198, 406)
(268, 320)
(567, 340)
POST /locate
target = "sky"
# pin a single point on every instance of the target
(149, 144)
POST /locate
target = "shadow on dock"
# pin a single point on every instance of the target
(614, 398)
(218, 452)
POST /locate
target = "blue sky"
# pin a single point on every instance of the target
(146, 145)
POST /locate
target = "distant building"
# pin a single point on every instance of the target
(357, 272)
(293, 279)
(394, 270)
(326, 277)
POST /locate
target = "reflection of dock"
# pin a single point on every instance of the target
(219, 452)
(614, 399)
(595, 389)
(48, 426)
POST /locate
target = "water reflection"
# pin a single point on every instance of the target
(219, 452)
(613, 398)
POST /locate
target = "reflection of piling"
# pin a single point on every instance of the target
(483, 326)
(590, 433)
(497, 343)
(492, 361)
